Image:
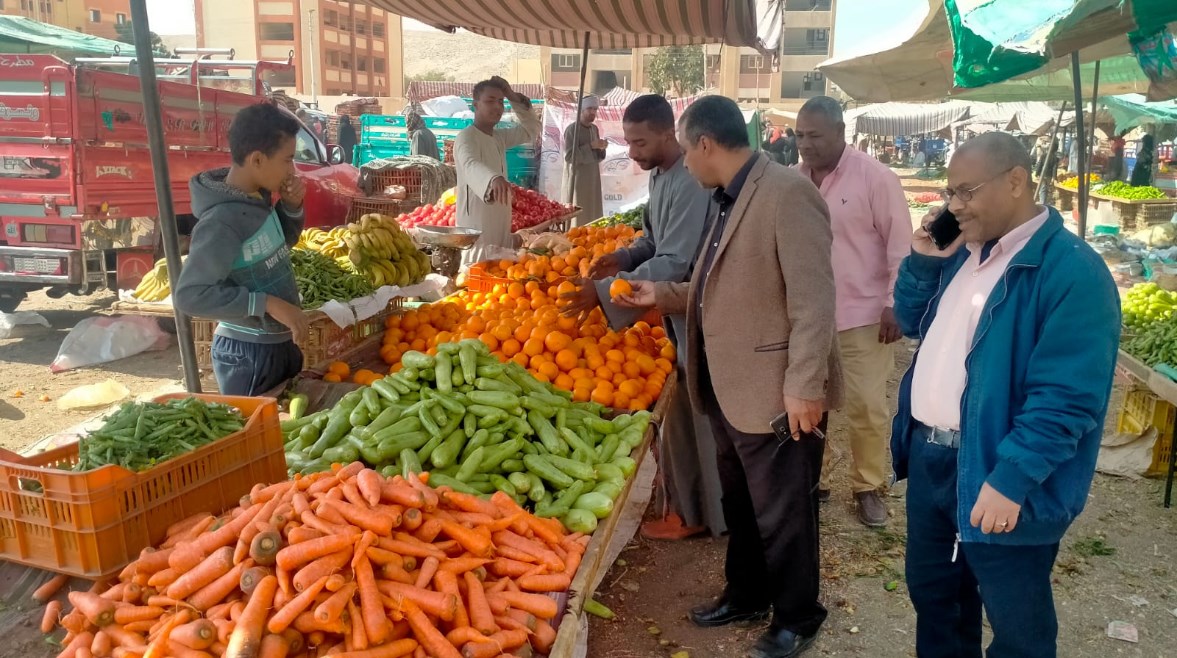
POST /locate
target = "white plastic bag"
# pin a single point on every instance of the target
(444, 106)
(93, 396)
(10, 321)
(105, 339)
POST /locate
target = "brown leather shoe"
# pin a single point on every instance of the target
(670, 528)
(872, 512)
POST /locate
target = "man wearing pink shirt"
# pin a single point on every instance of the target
(872, 235)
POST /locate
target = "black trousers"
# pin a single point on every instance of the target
(771, 508)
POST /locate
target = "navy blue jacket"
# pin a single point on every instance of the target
(1039, 375)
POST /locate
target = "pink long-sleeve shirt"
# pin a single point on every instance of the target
(872, 235)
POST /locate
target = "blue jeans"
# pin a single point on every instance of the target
(252, 369)
(1012, 583)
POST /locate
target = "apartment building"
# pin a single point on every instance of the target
(97, 17)
(740, 73)
(340, 48)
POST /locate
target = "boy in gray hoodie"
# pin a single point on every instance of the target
(238, 269)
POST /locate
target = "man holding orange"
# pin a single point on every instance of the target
(672, 229)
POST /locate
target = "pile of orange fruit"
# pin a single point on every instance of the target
(522, 322)
(591, 242)
(338, 371)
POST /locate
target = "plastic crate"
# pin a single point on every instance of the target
(91, 524)
(481, 282)
(1142, 410)
(325, 340)
(361, 206)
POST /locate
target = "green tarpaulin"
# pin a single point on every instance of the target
(1132, 110)
(26, 36)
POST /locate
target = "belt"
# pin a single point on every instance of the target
(938, 435)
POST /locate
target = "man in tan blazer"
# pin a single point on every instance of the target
(761, 344)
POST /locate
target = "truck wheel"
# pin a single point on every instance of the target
(9, 300)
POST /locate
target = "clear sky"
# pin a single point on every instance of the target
(857, 30)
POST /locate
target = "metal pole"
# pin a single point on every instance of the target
(576, 121)
(1091, 128)
(153, 119)
(314, 67)
(1050, 151)
(1081, 152)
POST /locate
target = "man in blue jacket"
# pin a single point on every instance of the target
(1001, 412)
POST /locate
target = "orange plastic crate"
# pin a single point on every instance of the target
(91, 524)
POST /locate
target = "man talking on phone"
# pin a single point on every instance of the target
(1001, 413)
(761, 353)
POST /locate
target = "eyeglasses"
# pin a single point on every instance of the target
(966, 195)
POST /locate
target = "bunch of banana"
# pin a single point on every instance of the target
(380, 249)
(154, 287)
(329, 243)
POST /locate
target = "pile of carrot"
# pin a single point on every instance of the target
(341, 563)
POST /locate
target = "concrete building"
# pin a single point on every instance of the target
(739, 73)
(340, 48)
(97, 17)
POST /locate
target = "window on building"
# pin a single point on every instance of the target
(345, 63)
(751, 63)
(362, 64)
(330, 17)
(332, 58)
(566, 62)
(378, 29)
(361, 28)
(282, 79)
(276, 31)
(818, 39)
(378, 65)
(712, 62)
(95, 16)
(120, 19)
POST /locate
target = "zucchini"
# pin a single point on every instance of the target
(599, 504)
(437, 479)
(548, 471)
(447, 453)
(409, 463)
(337, 425)
(443, 370)
(546, 433)
(468, 360)
(520, 481)
(418, 360)
(575, 469)
(298, 406)
(385, 390)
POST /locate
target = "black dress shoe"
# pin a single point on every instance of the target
(781, 643)
(724, 612)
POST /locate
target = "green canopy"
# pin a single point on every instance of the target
(998, 40)
(1133, 110)
(26, 36)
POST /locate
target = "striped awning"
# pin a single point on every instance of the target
(616, 97)
(608, 23)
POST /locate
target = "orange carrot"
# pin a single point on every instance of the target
(509, 568)
(376, 625)
(500, 642)
(163, 578)
(397, 649)
(126, 639)
(542, 529)
(421, 484)
(284, 617)
(395, 572)
(245, 642)
(465, 635)
(151, 561)
(544, 637)
(132, 613)
(428, 568)
(46, 591)
(143, 626)
(300, 503)
(158, 648)
(447, 583)
(101, 645)
(313, 520)
(96, 609)
(463, 564)
(435, 603)
(83, 652)
(74, 622)
(508, 623)
(273, 646)
(366, 541)
(251, 577)
(212, 568)
(546, 555)
(180, 651)
(416, 548)
(216, 591)
(199, 634)
(222, 536)
(365, 518)
(428, 531)
(324, 566)
(332, 608)
(481, 618)
(50, 616)
(470, 540)
(543, 607)
(358, 639)
(412, 518)
(294, 640)
(552, 582)
(80, 641)
(307, 624)
(302, 533)
(427, 634)
(468, 503)
(265, 546)
(295, 556)
(351, 493)
(123, 652)
(273, 491)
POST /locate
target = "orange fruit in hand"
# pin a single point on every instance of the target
(619, 288)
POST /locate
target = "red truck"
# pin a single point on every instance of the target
(77, 198)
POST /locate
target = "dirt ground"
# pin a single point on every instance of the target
(25, 361)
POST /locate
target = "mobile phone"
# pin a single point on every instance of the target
(944, 230)
(780, 427)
